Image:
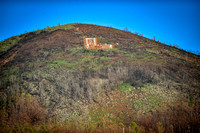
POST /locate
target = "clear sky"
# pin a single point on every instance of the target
(173, 22)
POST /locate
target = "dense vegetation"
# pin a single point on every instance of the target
(50, 83)
(117, 111)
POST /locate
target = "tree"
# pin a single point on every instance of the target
(126, 29)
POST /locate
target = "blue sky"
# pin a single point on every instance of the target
(173, 22)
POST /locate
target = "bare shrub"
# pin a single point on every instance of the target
(126, 29)
(177, 118)
(26, 109)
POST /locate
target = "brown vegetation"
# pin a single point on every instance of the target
(22, 110)
(178, 117)
(113, 113)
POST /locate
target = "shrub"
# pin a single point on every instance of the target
(23, 109)
(177, 118)
(126, 29)
(26, 110)
(134, 128)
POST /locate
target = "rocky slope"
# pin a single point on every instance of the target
(52, 65)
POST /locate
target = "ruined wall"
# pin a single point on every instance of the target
(92, 43)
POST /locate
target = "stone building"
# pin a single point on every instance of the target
(92, 43)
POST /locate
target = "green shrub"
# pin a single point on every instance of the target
(31, 129)
(2, 104)
(8, 43)
(44, 129)
(125, 87)
(134, 128)
(190, 100)
(160, 128)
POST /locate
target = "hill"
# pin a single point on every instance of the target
(68, 81)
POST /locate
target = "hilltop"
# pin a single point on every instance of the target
(67, 80)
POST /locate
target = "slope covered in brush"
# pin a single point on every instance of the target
(53, 66)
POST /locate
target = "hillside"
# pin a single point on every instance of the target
(67, 80)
